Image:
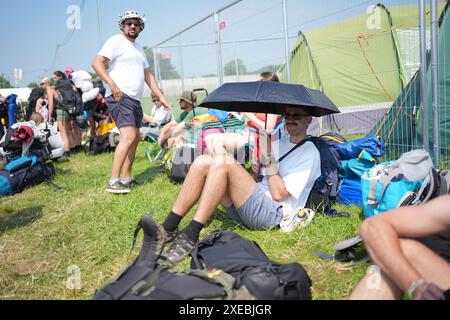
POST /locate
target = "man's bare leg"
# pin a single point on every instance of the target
(428, 264)
(193, 186)
(128, 137)
(129, 159)
(226, 179)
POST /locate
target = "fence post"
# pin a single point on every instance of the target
(423, 74)
(236, 66)
(219, 49)
(286, 42)
(155, 65)
(180, 47)
(435, 81)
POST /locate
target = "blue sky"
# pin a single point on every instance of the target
(30, 39)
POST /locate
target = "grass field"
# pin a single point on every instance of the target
(45, 234)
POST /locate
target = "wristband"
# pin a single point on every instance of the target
(414, 286)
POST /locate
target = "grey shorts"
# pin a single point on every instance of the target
(126, 112)
(259, 212)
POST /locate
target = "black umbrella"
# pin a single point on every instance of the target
(269, 97)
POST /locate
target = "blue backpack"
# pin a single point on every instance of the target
(375, 146)
(411, 179)
(22, 173)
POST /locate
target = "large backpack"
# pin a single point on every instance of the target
(22, 173)
(68, 100)
(326, 187)
(147, 278)
(103, 143)
(35, 94)
(179, 162)
(249, 265)
(411, 180)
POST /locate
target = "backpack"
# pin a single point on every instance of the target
(68, 100)
(180, 161)
(22, 173)
(148, 279)
(35, 94)
(103, 143)
(326, 187)
(409, 180)
(348, 150)
(249, 265)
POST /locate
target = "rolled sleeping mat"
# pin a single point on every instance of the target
(90, 95)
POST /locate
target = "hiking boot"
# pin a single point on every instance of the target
(129, 184)
(117, 188)
(171, 235)
(299, 220)
(180, 248)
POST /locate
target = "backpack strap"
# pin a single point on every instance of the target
(293, 149)
(217, 276)
(384, 180)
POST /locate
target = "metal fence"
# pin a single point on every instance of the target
(246, 37)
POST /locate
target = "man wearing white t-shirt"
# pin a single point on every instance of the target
(128, 70)
(291, 167)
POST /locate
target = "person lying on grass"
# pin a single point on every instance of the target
(406, 266)
(277, 201)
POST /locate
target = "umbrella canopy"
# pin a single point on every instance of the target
(269, 97)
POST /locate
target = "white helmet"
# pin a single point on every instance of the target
(131, 15)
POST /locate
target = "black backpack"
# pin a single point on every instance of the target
(178, 166)
(147, 278)
(103, 143)
(68, 100)
(35, 94)
(326, 187)
(249, 265)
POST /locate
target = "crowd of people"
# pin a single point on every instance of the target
(275, 196)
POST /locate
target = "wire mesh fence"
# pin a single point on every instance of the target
(365, 57)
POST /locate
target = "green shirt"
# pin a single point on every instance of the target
(189, 116)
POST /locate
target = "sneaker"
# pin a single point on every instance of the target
(118, 188)
(180, 248)
(299, 220)
(129, 183)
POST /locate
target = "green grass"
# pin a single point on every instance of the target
(43, 232)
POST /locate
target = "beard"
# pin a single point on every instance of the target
(133, 35)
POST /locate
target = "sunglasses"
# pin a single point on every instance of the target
(136, 24)
(295, 116)
(41, 84)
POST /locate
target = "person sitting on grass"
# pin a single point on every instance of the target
(157, 119)
(173, 131)
(277, 201)
(406, 266)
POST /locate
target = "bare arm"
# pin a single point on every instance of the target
(276, 183)
(98, 64)
(382, 236)
(51, 103)
(272, 120)
(151, 82)
(148, 119)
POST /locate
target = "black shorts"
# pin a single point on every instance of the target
(126, 112)
(439, 244)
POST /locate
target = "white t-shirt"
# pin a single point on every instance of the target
(299, 171)
(161, 115)
(127, 65)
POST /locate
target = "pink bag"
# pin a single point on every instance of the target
(201, 143)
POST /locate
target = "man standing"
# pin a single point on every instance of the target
(128, 69)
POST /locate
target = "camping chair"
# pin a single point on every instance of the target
(152, 149)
